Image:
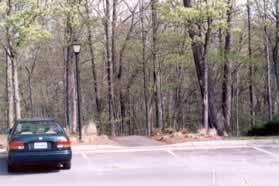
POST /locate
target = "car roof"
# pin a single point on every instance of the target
(34, 119)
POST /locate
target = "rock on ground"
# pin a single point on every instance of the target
(90, 129)
(171, 136)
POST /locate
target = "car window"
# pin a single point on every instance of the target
(38, 128)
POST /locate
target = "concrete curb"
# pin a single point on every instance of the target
(183, 146)
(200, 145)
(162, 149)
(229, 143)
(95, 147)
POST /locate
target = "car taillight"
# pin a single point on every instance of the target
(64, 143)
(16, 145)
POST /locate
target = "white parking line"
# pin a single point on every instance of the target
(245, 182)
(267, 152)
(84, 155)
(180, 161)
(214, 178)
(173, 154)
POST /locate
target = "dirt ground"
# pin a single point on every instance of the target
(168, 136)
(94, 140)
(171, 136)
(135, 141)
(176, 140)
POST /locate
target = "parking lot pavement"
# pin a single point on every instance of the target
(213, 167)
(136, 141)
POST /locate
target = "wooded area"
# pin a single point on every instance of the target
(144, 64)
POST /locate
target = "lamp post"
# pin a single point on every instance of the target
(76, 48)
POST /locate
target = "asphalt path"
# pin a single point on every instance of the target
(250, 166)
(136, 141)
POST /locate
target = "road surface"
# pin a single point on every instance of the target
(251, 166)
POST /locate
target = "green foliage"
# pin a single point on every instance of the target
(197, 14)
(25, 25)
(173, 37)
(270, 128)
(236, 30)
(175, 58)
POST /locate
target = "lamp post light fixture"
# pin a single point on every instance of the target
(76, 48)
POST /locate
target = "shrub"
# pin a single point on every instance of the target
(270, 128)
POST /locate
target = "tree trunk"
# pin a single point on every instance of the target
(237, 103)
(66, 84)
(109, 69)
(70, 78)
(143, 40)
(227, 83)
(156, 66)
(13, 89)
(30, 96)
(131, 130)
(7, 91)
(10, 71)
(93, 66)
(113, 36)
(215, 117)
(67, 73)
(268, 68)
(276, 56)
(251, 70)
(120, 81)
(276, 48)
(73, 97)
(205, 76)
(11, 103)
(17, 92)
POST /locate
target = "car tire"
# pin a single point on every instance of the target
(67, 165)
(11, 168)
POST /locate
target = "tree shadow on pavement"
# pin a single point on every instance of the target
(23, 170)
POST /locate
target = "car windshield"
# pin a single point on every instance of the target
(38, 128)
